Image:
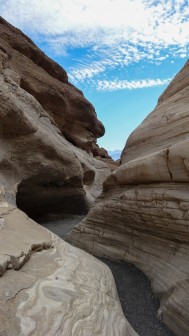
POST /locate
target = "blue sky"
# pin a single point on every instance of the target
(121, 53)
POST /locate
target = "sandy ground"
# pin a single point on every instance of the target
(138, 302)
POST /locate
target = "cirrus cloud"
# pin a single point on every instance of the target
(131, 85)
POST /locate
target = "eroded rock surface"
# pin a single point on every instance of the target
(143, 214)
(48, 83)
(48, 131)
(51, 288)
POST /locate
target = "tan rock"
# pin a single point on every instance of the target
(48, 287)
(143, 214)
(58, 290)
(45, 125)
(48, 83)
(101, 154)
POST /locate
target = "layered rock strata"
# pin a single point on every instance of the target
(48, 131)
(142, 215)
(48, 83)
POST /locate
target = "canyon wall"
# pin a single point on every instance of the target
(48, 131)
(142, 216)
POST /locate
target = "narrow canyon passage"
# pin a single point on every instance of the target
(53, 172)
(138, 302)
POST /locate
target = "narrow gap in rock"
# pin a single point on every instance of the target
(139, 303)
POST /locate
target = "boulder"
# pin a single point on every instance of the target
(142, 216)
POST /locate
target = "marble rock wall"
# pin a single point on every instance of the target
(142, 216)
(50, 288)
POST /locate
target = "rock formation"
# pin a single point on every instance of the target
(101, 154)
(47, 132)
(142, 215)
(59, 290)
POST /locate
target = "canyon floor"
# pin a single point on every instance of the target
(139, 303)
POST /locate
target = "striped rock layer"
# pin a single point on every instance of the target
(48, 131)
(142, 216)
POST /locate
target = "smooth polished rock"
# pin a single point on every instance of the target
(52, 288)
(48, 131)
(142, 216)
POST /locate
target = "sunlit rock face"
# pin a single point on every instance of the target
(142, 215)
(48, 287)
(48, 131)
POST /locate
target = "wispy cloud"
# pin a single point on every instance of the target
(115, 33)
(134, 84)
(86, 71)
(82, 22)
